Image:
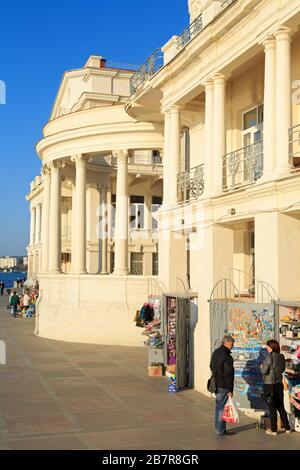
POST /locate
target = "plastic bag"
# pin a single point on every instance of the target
(230, 414)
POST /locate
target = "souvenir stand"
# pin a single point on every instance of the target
(289, 338)
(167, 335)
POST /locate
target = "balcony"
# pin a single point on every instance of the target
(243, 166)
(162, 56)
(190, 183)
(138, 160)
(294, 146)
(147, 70)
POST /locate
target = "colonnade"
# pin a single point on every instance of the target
(277, 121)
(51, 226)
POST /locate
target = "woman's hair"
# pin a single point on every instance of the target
(274, 345)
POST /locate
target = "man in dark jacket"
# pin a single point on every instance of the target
(221, 365)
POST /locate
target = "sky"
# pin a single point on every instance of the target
(39, 40)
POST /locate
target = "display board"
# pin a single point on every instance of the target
(252, 325)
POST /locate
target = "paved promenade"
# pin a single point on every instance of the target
(57, 395)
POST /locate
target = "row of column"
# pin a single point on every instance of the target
(51, 258)
(277, 121)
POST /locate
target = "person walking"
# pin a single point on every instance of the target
(272, 369)
(2, 287)
(14, 302)
(221, 365)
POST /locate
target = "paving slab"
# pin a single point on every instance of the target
(56, 395)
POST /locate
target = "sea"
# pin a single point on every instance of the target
(9, 278)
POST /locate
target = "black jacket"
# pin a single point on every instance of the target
(273, 368)
(221, 365)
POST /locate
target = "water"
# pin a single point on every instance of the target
(9, 278)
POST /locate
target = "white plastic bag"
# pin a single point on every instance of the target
(230, 414)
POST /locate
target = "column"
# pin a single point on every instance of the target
(104, 228)
(38, 224)
(209, 108)
(166, 157)
(32, 225)
(283, 99)
(121, 230)
(73, 225)
(45, 219)
(79, 231)
(173, 160)
(55, 219)
(109, 223)
(269, 108)
(219, 131)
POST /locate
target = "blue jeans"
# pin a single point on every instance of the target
(221, 399)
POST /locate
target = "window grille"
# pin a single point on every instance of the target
(136, 264)
(155, 264)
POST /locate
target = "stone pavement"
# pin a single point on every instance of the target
(56, 395)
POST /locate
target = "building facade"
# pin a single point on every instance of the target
(230, 84)
(93, 238)
(222, 100)
(8, 262)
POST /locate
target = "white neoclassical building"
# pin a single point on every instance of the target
(93, 238)
(229, 86)
(222, 100)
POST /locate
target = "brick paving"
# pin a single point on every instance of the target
(56, 396)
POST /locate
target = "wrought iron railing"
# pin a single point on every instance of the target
(152, 160)
(190, 183)
(294, 145)
(243, 166)
(189, 33)
(120, 66)
(147, 70)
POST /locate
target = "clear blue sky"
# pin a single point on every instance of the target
(39, 40)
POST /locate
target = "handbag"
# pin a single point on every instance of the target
(211, 384)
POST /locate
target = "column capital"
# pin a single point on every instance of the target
(208, 84)
(80, 160)
(284, 34)
(121, 155)
(45, 171)
(171, 108)
(219, 78)
(103, 190)
(56, 165)
(269, 42)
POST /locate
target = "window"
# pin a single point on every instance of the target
(136, 264)
(253, 125)
(137, 212)
(113, 213)
(156, 204)
(155, 264)
(156, 158)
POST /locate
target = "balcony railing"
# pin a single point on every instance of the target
(294, 145)
(243, 166)
(108, 64)
(147, 70)
(190, 183)
(154, 160)
(190, 32)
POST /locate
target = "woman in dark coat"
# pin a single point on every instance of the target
(272, 370)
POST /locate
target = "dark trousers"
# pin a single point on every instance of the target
(276, 405)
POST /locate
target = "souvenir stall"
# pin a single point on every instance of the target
(289, 339)
(166, 327)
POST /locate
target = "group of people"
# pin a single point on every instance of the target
(24, 302)
(272, 369)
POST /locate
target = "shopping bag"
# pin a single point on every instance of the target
(230, 414)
